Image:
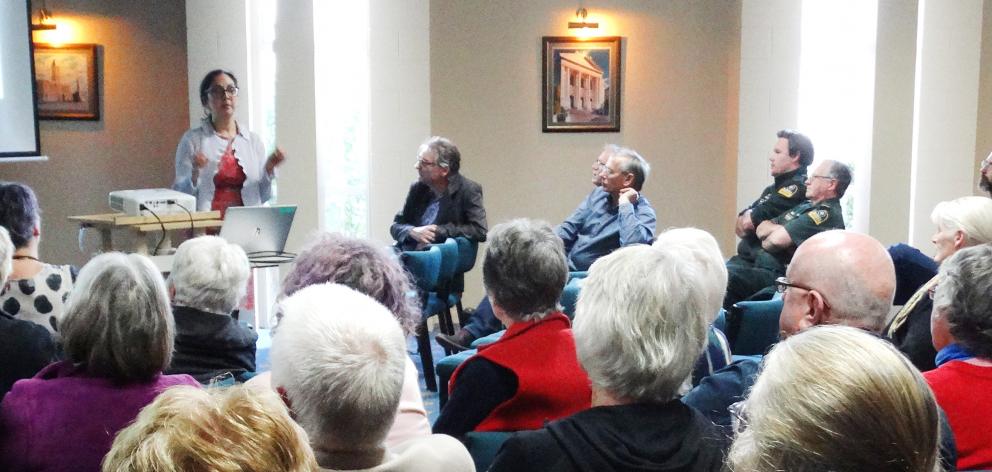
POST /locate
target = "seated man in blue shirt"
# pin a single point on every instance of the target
(615, 214)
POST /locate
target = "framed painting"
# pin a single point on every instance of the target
(67, 81)
(581, 79)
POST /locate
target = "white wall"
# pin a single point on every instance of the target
(214, 44)
(769, 87)
(949, 39)
(400, 107)
(679, 106)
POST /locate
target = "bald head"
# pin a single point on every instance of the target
(853, 275)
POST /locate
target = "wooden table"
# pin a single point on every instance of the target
(141, 226)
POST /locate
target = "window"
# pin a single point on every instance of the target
(837, 91)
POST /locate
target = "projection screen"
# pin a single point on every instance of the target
(18, 109)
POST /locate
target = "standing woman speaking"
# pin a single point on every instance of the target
(221, 163)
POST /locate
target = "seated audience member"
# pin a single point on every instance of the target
(706, 252)
(208, 280)
(35, 291)
(985, 173)
(25, 347)
(233, 429)
(859, 406)
(613, 215)
(531, 375)
(780, 236)
(361, 266)
(640, 325)
(962, 333)
(338, 361)
(962, 222)
(442, 203)
(836, 278)
(913, 269)
(791, 156)
(118, 337)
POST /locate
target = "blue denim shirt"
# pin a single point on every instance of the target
(596, 228)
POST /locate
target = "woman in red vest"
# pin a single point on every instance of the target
(531, 375)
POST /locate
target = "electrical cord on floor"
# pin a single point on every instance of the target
(162, 239)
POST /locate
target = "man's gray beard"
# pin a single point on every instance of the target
(985, 185)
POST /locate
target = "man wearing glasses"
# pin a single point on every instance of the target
(442, 203)
(985, 174)
(613, 215)
(780, 236)
(836, 278)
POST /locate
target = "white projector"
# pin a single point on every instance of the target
(161, 201)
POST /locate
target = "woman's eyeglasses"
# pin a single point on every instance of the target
(220, 92)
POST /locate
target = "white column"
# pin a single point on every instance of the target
(949, 41)
(296, 116)
(892, 139)
(769, 87)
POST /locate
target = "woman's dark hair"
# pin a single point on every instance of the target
(209, 80)
(19, 212)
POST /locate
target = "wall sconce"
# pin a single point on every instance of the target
(45, 21)
(581, 23)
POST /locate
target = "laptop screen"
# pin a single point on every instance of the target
(259, 230)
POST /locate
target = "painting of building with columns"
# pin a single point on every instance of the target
(583, 91)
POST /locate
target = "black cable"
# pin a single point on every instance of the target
(162, 239)
(180, 205)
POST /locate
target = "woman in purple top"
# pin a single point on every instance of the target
(118, 337)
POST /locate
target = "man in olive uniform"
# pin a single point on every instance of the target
(792, 153)
(780, 236)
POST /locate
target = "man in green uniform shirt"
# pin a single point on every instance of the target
(792, 153)
(780, 236)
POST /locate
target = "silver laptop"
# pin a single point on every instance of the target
(259, 230)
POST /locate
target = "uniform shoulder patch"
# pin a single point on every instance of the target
(819, 216)
(789, 191)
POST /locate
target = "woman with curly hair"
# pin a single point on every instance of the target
(374, 271)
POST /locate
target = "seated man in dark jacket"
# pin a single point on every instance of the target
(25, 347)
(209, 278)
(442, 203)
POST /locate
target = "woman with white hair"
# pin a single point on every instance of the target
(530, 375)
(208, 280)
(962, 222)
(338, 361)
(374, 271)
(837, 398)
(961, 323)
(118, 337)
(640, 325)
(25, 347)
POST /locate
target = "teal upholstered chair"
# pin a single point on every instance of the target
(752, 326)
(425, 267)
(484, 446)
(467, 253)
(437, 302)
